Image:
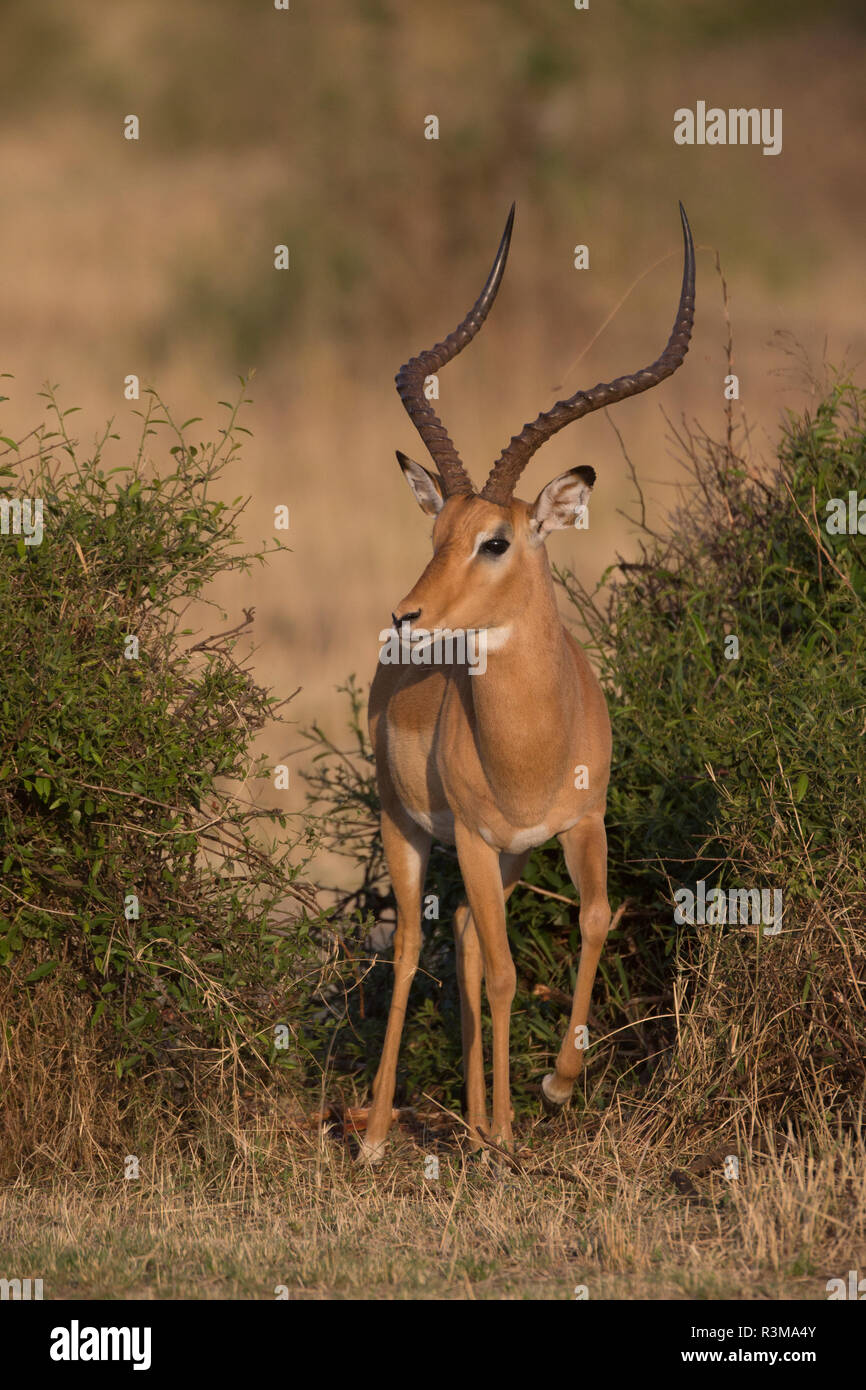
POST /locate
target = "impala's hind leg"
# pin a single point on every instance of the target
(585, 848)
(407, 849)
(470, 969)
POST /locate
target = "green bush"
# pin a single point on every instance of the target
(744, 763)
(128, 869)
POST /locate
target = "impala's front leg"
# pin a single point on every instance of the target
(585, 847)
(407, 849)
(479, 865)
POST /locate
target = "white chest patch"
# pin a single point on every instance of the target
(495, 638)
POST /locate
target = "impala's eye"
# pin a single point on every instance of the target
(497, 545)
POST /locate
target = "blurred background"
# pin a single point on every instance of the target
(307, 127)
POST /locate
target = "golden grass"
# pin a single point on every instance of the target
(242, 1188)
(593, 1205)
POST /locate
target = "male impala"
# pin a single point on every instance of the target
(487, 761)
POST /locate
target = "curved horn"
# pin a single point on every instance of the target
(514, 458)
(410, 378)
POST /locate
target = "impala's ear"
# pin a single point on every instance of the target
(562, 502)
(426, 486)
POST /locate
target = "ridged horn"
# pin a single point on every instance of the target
(411, 376)
(508, 467)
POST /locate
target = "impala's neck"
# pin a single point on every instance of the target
(526, 706)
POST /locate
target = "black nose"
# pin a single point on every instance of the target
(405, 617)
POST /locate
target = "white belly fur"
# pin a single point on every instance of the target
(438, 823)
(441, 824)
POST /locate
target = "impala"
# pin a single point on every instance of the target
(487, 762)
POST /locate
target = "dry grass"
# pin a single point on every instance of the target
(243, 1190)
(593, 1205)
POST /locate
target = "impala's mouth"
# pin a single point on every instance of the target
(409, 633)
(435, 647)
(420, 637)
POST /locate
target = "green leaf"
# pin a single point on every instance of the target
(46, 968)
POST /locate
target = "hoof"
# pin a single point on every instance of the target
(551, 1105)
(370, 1155)
(476, 1137)
(478, 1157)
